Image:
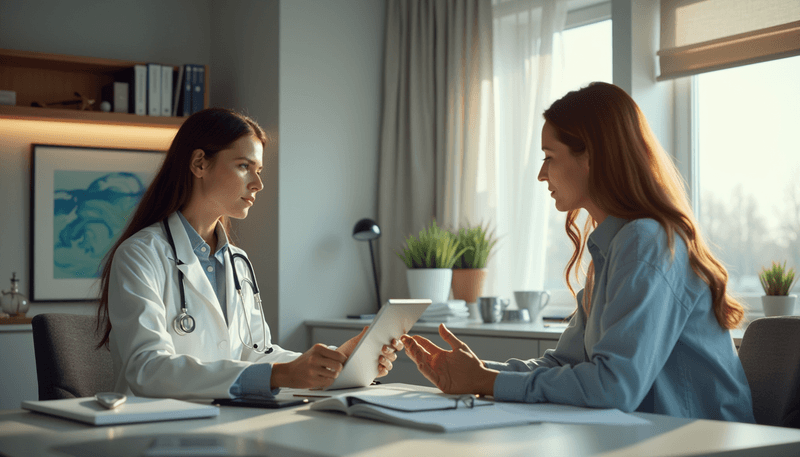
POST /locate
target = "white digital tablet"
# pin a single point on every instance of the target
(394, 319)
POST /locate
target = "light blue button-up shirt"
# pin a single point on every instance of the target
(650, 343)
(255, 379)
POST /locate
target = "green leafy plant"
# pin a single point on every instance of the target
(479, 243)
(433, 248)
(777, 280)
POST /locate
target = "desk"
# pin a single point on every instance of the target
(498, 342)
(299, 431)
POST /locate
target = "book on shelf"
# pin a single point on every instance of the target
(153, 89)
(423, 410)
(177, 90)
(186, 95)
(166, 90)
(136, 77)
(198, 91)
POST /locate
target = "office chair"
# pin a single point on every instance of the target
(68, 365)
(770, 355)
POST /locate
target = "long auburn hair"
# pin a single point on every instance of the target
(631, 177)
(211, 130)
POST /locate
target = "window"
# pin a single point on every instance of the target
(585, 57)
(748, 168)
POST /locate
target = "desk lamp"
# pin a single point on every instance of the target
(368, 230)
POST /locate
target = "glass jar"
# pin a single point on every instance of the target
(13, 302)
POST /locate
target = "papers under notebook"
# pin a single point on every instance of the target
(427, 411)
(136, 409)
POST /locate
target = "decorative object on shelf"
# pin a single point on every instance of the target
(469, 270)
(8, 97)
(430, 258)
(14, 303)
(777, 282)
(79, 207)
(368, 230)
(84, 102)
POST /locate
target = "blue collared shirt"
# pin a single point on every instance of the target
(650, 343)
(255, 379)
(213, 266)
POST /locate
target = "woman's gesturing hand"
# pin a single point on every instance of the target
(458, 371)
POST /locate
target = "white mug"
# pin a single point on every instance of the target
(532, 300)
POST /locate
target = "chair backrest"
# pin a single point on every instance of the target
(68, 363)
(770, 355)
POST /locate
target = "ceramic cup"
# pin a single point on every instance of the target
(492, 308)
(532, 300)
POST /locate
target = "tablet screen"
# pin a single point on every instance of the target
(394, 319)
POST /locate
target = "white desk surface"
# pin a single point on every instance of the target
(298, 431)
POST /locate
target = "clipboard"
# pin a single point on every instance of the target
(395, 318)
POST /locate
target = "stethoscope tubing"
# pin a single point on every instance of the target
(184, 323)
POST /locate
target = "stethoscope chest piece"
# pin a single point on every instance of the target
(183, 323)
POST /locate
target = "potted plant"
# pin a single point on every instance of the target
(777, 283)
(469, 270)
(430, 258)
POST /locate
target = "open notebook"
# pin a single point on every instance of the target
(136, 409)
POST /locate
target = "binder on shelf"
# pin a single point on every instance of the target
(188, 84)
(136, 77)
(166, 90)
(198, 93)
(177, 90)
(153, 89)
(116, 93)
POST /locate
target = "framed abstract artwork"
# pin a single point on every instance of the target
(81, 201)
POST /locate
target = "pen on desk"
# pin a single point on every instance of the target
(311, 396)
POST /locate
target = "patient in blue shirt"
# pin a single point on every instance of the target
(651, 332)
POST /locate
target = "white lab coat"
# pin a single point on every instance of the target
(150, 359)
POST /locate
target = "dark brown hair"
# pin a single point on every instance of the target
(631, 177)
(211, 130)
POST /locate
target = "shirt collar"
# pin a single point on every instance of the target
(601, 236)
(197, 241)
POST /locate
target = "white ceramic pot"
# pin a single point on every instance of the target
(778, 305)
(433, 283)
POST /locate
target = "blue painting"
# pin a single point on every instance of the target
(91, 209)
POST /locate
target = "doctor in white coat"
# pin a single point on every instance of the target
(174, 321)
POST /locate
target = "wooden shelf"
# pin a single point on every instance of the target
(93, 117)
(47, 78)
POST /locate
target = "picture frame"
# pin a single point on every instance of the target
(81, 201)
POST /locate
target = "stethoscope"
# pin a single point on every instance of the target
(184, 323)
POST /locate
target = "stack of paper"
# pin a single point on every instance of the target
(449, 311)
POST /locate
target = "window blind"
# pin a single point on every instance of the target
(706, 35)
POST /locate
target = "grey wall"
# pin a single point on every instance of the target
(244, 74)
(330, 80)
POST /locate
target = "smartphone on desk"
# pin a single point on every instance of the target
(256, 402)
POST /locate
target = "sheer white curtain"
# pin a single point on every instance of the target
(523, 41)
(437, 147)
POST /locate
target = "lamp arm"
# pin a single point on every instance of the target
(375, 275)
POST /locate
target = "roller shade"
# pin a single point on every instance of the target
(706, 35)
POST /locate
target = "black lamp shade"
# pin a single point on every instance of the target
(366, 229)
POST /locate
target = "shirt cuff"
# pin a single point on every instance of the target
(512, 386)
(254, 380)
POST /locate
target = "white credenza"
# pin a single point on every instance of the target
(17, 366)
(498, 342)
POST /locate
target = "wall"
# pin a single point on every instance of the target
(330, 80)
(245, 62)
